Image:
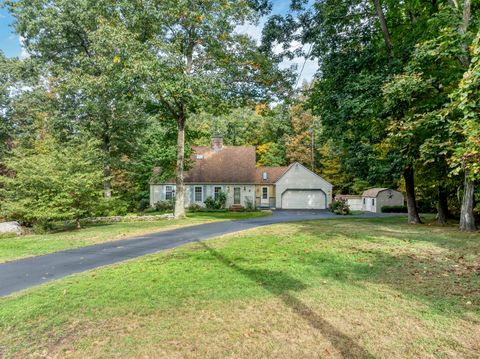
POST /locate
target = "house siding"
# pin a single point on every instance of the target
(383, 199)
(271, 195)
(300, 178)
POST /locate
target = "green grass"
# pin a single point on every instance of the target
(373, 288)
(30, 245)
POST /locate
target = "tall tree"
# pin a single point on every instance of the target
(60, 36)
(466, 157)
(199, 63)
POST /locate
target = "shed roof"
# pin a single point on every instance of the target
(373, 192)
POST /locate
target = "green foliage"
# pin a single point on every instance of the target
(394, 209)
(53, 182)
(249, 205)
(340, 207)
(216, 203)
(465, 100)
(164, 206)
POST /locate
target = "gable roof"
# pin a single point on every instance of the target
(273, 174)
(231, 164)
(298, 164)
(373, 192)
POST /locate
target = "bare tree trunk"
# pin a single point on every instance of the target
(180, 190)
(384, 27)
(442, 206)
(413, 217)
(467, 219)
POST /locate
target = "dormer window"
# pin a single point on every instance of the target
(199, 157)
(265, 176)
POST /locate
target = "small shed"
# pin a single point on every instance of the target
(353, 201)
(374, 199)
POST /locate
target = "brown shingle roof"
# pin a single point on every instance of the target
(373, 192)
(231, 164)
(273, 174)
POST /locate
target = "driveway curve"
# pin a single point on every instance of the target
(25, 273)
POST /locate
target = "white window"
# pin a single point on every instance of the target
(216, 192)
(264, 192)
(264, 176)
(169, 193)
(198, 194)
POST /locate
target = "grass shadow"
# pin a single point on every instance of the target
(440, 268)
(280, 284)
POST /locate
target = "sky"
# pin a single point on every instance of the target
(10, 42)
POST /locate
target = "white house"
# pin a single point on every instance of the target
(233, 170)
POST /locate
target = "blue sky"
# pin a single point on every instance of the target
(9, 41)
(11, 47)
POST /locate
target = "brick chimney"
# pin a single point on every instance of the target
(217, 143)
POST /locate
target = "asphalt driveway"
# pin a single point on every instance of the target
(25, 273)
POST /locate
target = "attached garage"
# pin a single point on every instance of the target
(304, 199)
(300, 188)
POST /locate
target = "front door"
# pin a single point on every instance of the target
(236, 195)
(264, 197)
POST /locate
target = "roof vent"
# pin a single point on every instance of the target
(199, 157)
(265, 176)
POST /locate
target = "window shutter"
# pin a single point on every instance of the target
(204, 193)
(192, 194)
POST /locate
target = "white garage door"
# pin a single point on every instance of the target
(303, 199)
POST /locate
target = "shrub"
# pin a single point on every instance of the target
(394, 209)
(340, 206)
(216, 203)
(249, 206)
(53, 181)
(143, 204)
(210, 203)
(194, 208)
(163, 206)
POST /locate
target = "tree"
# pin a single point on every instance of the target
(385, 76)
(52, 182)
(467, 152)
(300, 144)
(92, 94)
(198, 63)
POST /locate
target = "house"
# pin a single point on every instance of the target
(374, 199)
(233, 170)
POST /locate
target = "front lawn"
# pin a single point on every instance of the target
(30, 245)
(352, 288)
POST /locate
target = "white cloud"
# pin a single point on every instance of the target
(252, 30)
(309, 66)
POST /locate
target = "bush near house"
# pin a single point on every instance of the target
(216, 203)
(340, 207)
(394, 209)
